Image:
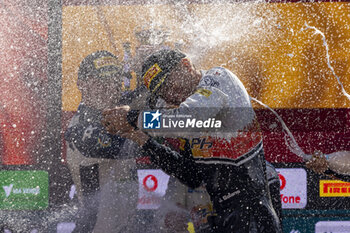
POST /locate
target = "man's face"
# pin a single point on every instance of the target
(103, 92)
(177, 86)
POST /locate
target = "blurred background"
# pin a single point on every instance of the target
(272, 46)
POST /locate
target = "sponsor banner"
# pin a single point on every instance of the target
(302, 224)
(27, 190)
(65, 227)
(332, 227)
(153, 184)
(334, 188)
(293, 187)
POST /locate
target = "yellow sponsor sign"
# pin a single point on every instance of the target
(334, 188)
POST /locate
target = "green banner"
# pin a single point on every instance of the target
(24, 190)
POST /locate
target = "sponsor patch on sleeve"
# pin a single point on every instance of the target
(151, 73)
(204, 92)
(104, 140)
(210, 81)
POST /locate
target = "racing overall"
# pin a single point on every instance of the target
(103, 169)
(228, 161)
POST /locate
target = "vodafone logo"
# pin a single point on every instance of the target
(283, 181)
(153, 184)
(150, 183)
(293, 187)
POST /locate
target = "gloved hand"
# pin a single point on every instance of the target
(137, 136)
(318, 163)
(115, 120)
